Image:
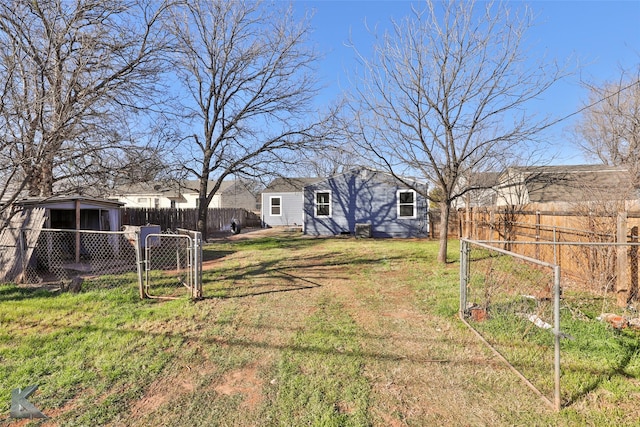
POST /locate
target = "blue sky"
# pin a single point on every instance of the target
(603, 35)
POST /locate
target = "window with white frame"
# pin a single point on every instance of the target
(406, 203)
(275, 204)
(323, 203)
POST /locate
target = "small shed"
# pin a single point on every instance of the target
(76, 212)
(366, 203)
(22, 234)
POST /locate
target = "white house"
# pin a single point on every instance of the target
(184, 195)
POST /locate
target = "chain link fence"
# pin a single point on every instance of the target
(564, 335)
(66, 258)
(162, 265)
(601, 254)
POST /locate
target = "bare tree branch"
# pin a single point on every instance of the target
(77, 78)
(610, 125)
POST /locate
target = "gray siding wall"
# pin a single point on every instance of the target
(364, 197)
(291, 209)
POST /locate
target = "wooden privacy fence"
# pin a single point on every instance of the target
(218, 219)
(434, 224)
(598, 252)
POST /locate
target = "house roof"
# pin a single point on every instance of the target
(237, 186)
(365, 173)
(575, 183)
(289, 185)
(171, 189)
(483, 180)
(194, 185)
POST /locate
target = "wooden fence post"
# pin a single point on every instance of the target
(633, 259)
(622, 275)
(537, 248)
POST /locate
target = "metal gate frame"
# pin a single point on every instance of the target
(193, 248)
(465, 262)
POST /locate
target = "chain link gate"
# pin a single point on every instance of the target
(506, 299)
(172, 265)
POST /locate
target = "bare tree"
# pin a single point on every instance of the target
(444, 95)
(329, 161)
(76, 78)
(610, 125)
(248, 76)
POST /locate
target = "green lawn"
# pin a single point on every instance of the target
(292, 331)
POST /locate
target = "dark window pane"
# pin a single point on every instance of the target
(406, 210)
(322, 198)
(275, 206)
(323, 210)
(406, 197)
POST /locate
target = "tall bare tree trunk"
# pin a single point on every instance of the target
(445, 209)
(252, 89)
(203, 207)
(75, 76)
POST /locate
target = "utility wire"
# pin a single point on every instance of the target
(561, 119)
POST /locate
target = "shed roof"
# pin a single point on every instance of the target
(68, 200)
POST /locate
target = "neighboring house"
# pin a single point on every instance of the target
(184, 195)
(480, 190)
(564, 184)
(283, 203)
(149, 195)
(366, 202)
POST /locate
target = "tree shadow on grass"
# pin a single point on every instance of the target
(284, 282)
(292, 274)
(12, 292)
(629, 349)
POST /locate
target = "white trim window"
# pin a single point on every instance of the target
(275, 205)
(323, 204)
(406, 200)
